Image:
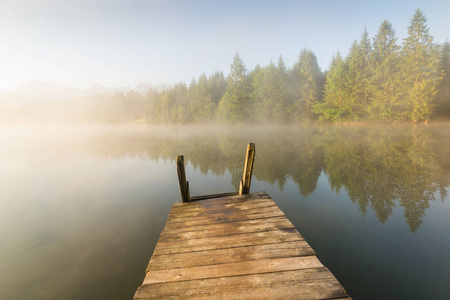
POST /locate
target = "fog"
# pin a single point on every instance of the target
(349, 112)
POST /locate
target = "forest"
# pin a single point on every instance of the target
(380, 80)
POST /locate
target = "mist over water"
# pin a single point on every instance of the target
(81, 208)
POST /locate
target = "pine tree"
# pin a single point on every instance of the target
(443, 96)
(200, 103)
(337, 105)
(307, 79)
(421, 69)
(217, 86)
(270, 93)
(178, 104)
(234, 106)
(385, 79)
(359, 76)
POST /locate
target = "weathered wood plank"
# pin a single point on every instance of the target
(226, 211)
(228, 241)
(235, 247)
(216, 230)
(217, 219)
(257, 203)
(212, 196)
(221, 201)
(230, 255)
(316, 283)
(233, 269)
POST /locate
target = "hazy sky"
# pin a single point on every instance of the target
(81, 42)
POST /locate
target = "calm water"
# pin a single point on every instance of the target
(81, 208)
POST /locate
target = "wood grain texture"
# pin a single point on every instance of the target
(315, 283)
(184, 187)
(217, 218)
(223, 200)
(229, 228)
(198, 211)
(211, 196)
(230, 255)
(228, 241)
(233, 269)
(244, 187)
(235, 213)
(235, 247)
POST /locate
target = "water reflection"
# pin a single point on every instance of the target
(379, 167)
(81, 208)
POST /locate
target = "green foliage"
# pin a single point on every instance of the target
(378, 81)
(235, 105)
(443, 96)
(270, 93)
(385, 82)
(420, 68)
(359, 75)
(217, 86)
(307, 80)
(337, 105)
(379, 167)
(181, 105)
(201, 106)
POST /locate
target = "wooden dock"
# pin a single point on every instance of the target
(233, 246)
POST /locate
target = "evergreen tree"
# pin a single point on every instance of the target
(307, 77)
(421, 69)
(270, 93)
(359, 76)
(200, 103)
(443, 96)
(151, 104)
(179, 104)
(385, 83)
(234, 105)
(165, 108)
(337, 105)
(217, 85)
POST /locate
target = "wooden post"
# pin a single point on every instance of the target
(184, 185)
(244, 187)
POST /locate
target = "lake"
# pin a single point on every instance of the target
(81, 208)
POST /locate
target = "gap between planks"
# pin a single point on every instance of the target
(230, 228)
(317, 283)
(233, 269)
(246, 239)
(229, 255)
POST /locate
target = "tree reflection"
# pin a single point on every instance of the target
(379, 167)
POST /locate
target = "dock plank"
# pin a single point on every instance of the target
(228, 241)
(230, 255)
(217, 219)
(316, 283)
(229, 228)
(220, 209)
(220, 201)
(226, 212)
(233, 269)
(235, 247)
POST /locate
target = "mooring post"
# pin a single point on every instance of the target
(184, 185)
(244, 187)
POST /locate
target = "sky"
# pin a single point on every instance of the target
(77, 43)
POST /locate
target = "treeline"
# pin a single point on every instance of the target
(379, 80)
